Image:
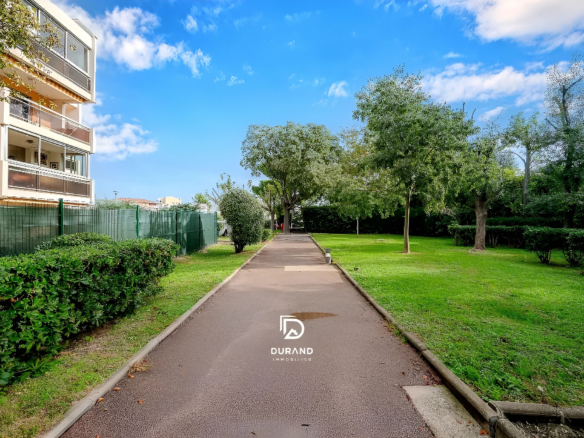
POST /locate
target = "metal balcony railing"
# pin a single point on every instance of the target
(29, 176)
(35, 114)
(60, 65)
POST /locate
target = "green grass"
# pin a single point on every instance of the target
(33, 406)
(500, 320)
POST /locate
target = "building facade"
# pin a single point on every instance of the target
(169, 201)
(45, 149)
(143, 203)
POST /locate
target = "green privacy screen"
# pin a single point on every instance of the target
(23, 228)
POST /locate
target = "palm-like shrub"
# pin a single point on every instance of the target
(245, 216)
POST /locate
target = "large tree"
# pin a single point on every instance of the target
(565, 105)
(300, 158)
(532, 137)
(20, 29)
(419, 142)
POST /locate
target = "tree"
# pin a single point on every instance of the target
(223, 186)
(530, 135)
(417, 141)
(565, 106)
(483, 170)
(300, 158)
(244, 214)
(20, 29)
(269, 200)
(201, 199)
(361, 189)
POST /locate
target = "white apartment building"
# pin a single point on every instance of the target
(44, 153)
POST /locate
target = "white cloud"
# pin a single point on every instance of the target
(492, 114)
(235, 81)
(321, 102)
(243, 21)
(125, 36)
(297, 17)
(423, 7)
(248, 69)
(220, 77)
(462, 82)
(194, 60)
(191, 24)
(116, 142)
(549, 22)
(292, 43)
(337, 89)
(386, 4)
(204, 16)
(452, 55)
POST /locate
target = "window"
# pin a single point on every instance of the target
(75, 163)
(76, 52)
(60, 47)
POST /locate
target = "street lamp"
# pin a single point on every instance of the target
(115, 196)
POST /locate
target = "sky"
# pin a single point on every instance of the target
(179, 82)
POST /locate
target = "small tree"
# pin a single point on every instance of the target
(269, 200)
(201, 199)
(417, 141)
(245, 216)
(223, 186)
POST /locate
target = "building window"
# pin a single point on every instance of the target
(76, 52)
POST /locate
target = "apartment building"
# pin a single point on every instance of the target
(45, 151)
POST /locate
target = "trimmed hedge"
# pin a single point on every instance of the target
(78, 239)
(529, 221)
(47, 296)
(542, 241)
(327, 219)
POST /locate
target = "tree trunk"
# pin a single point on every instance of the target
(407, 224)
(286, 220)
(271, 221)
(527, 176)
(481, 215)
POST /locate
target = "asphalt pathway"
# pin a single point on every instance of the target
(217, 376)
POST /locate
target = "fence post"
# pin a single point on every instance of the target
(215, 229)
(137, 221)
(61, 217)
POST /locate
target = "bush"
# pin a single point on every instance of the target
(243, 213)
(523, 221)
(47, 296)
(266, 234)
(575, 246)
(78, 239)
(543, 240)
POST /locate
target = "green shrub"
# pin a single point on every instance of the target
(526, 221)
(78, 239)
(266, 234)
(244, 214)
(575, 247)
(544, 240)
(47, 296)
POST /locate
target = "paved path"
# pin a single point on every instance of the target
(216, 377)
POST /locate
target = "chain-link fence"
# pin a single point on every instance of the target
(25, 226)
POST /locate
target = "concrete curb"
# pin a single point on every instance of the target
(538, 411)
(482, 412)
(87, 402)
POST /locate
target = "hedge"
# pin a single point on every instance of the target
(78, 239)
(542, 241)
(529, 221)
(47, 296)
(326, 219)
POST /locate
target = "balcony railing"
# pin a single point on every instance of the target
(29, 176)
(35, 114)
(59, 64)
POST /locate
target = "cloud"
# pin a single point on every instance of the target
(492, 114)
(292, 43)
(205, 16)
(463, 82)
(321, 102)
(191, 24)
(337, 89)
(125, 36)
(386, 4)
(301, 82)
(235, 81)
(248, 69)
(243, 21)
(220, 77)
(423, 7)
(551, 23)
(116, 142)
(452, 55)
(294, 18)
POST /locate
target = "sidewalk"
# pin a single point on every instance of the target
(216, 376)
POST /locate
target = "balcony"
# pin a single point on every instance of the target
(43, 117)
(32, 177)
(66, 69)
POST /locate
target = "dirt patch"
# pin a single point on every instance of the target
(140, 367)
(550, 430)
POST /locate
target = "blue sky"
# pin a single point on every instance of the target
(180, 81)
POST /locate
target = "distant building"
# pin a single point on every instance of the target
(168, 201)
(145, 203)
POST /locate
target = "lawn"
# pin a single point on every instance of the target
(509, 326)
(33, 406)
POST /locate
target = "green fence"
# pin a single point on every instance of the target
(24, 227)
